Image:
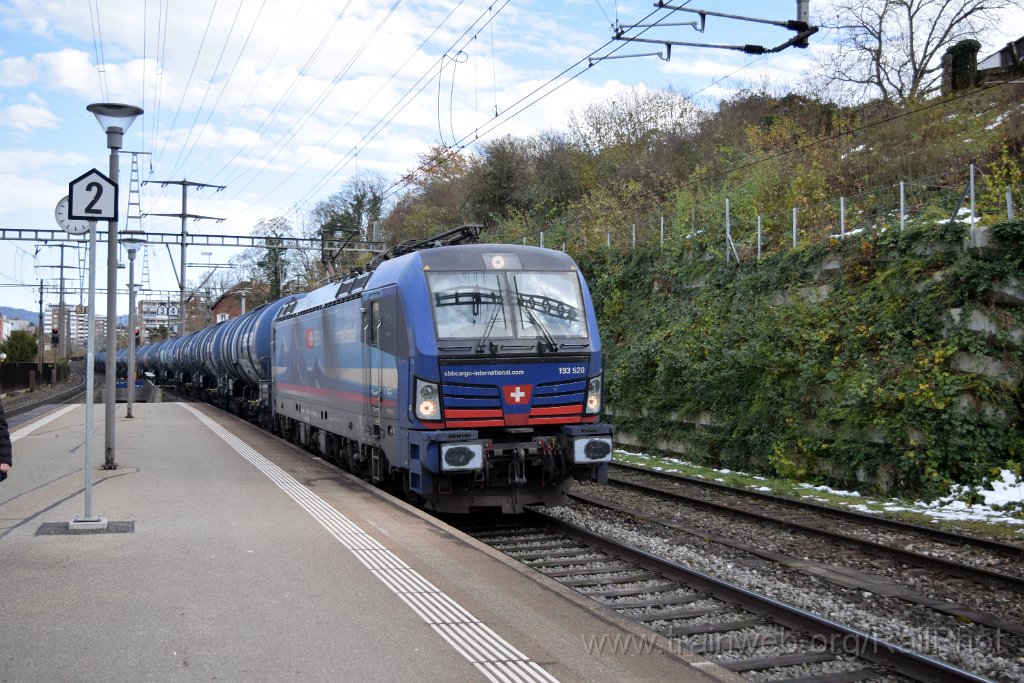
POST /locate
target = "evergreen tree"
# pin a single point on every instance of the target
(20, 347)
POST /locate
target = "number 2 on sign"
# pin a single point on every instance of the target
(97, 189)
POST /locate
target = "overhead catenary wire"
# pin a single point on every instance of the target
(282, 144)
(524, 103)
(186, 149)
(498, 119)
(275, 112)
(516, 108)
(97, 42)
(16, 280)
(161, 53)
(395, 110)
(188, 83)
(458, 145)
(145, 55)
(385, 120)
(400, 104)
(157, 84)
(284, 35)
(493, 9)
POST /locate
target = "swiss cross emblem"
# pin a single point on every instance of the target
(517, 394)
(309, 339)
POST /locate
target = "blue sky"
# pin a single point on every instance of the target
(282, 102)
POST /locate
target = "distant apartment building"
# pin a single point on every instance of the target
(154, 314)
(8, 325)
(75, 326)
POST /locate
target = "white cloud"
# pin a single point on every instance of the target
(69, 70)
(17, 72)
(29, 116)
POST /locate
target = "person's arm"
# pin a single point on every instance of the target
(5, 443)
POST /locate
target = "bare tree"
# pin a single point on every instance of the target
(633, 117)
(892, 49)
(269, 265)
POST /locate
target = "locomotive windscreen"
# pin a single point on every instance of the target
(519, 304)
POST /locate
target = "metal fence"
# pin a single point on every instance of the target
(22, 376)
(935, 200)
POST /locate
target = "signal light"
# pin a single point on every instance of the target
(54, 336)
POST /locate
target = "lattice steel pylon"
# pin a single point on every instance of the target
(144, 282)
(133, 221)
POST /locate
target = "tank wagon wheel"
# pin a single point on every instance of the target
(345, 457)
(287, 430)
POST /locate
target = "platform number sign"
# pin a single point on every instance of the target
(93, 197)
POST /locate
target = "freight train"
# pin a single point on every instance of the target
(463, 375)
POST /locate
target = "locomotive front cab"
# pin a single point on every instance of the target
(512, 411)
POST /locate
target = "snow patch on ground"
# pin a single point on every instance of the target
(1000, 497)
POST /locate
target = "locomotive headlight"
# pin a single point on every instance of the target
(592, 450)
(593, 405)
(426, 400)
(462, 457)
(427, 410)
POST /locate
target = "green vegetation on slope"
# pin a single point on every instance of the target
(838, 362)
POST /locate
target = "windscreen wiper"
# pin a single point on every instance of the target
(545, 333)
(483, 344)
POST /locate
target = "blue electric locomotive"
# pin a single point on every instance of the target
(468, 376)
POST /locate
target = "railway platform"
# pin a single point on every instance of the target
(231, 555)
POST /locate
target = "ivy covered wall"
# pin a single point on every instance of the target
(891, 362)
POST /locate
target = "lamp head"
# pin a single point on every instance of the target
(110, 115)
(132, 240)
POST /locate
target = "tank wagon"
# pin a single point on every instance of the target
(466, 375)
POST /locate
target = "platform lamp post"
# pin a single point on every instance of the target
(115, 119)
(131, 240)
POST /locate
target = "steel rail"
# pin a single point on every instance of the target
(949, 608)
(62, 397)
(939, 534)
(952, 567)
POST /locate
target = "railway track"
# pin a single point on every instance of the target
(791, 509)
(975, 559)
(27, 402)
(753, 635)
(978, 603)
